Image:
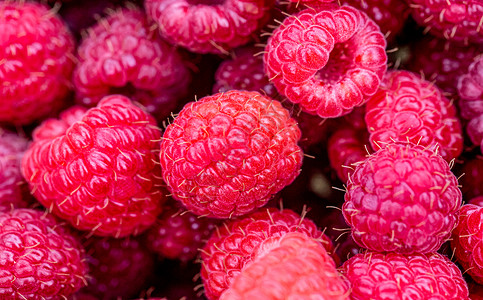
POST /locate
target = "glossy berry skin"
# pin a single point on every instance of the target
(209, 26)
(39, 257)
(327, 61)
(403, 198)
(396, 276)
(228, 154)
(467, 241)
(124, 54)
(293, 266)
(234, 245)
(36, 62)
(408, 108)
(97, 168)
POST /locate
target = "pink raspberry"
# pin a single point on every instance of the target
(36, 62)
(233, 245)
(467, 241)
(228, 154)
(408, 108)
(209, 26)
(283, 268)
(97, 168)
(39, 257)
(403, 198)
(458, 20)
(470, 89)
(381, 276)
(327, 61)
(124, 54)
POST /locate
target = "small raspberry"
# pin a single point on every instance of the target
(293, 266)
(39, 257)
(403, 198)
(228, 154)
(381, 276)
(470, 89)
(36, 62)
(327, 61)
(408, 108)
(233, 245)
(209, 26)
(97, 168)
(124, 54)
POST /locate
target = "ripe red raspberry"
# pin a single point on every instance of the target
(209, 26)
(39, 257)
(381, 276)
(179, 234)
(327, 61)
(467, 241)
(97, 168)
(477, 201)
(458, 20)
(36, 61)
(228, 154)
(403, 198)
(408, 108)
(472, 180)
(124, 54)
(233, 245)
(286, 265)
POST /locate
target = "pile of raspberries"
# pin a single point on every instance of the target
(241, 149)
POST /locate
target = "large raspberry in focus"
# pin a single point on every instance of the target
(98, 168)
(36, 62)
(228, 154)
(327, 61)
(39, 257)
(403, 198)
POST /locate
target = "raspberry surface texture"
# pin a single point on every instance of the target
(40, 258)
(36, 62)
(286, 265)
(97, 168)
(403, 198)
(228, 154)
(209, 26)
(408, 108)
(124, 54)
(327, 61)
(234, 245)
(395, 276)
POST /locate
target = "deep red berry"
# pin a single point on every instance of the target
(476, 201)
(472, 178)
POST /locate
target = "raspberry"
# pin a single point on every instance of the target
(403, 198)
(97, 168)
(395, 276)
(124, 54)
(39, 257)
(457, 20)
(209, 26)
(408, 108)
(36, 62)
(477, 201)
(467, 241)
(233, 245)
(470, 89)
(228, 154)
(327, 61)
(286, 265)
(472, 180)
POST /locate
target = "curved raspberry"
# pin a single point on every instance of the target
(328, 61)
(209, 26)
(36, 62)
(457, 20)
(98, 168)
(124, 54)
(403, 198)
(286, 265)
(233, 245)
(39, 257)
(408, 108)
(470, 89)
(381, 276)
(228, 154)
